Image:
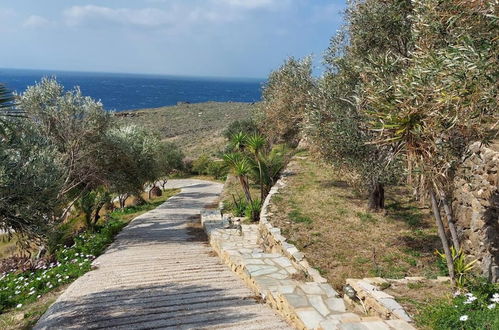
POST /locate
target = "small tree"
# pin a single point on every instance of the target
(30, 180)
(75, 126)
(169, 159)
(285, 96)
(131, 160)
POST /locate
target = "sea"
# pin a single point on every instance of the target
(123, 91)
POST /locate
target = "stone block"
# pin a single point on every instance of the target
(310, 317)
(399, 325)
(295, 300)
(376, 325)
(336, 304)
(329, 325)
(311, 288)
(328, 289)
(317, 302)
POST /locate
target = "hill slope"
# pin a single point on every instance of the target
(196, 128)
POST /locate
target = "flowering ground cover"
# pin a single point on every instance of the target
(25, 295)
(476, 309)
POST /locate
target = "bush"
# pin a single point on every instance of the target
(200, 165)
(218, 170)
(477, 309)
(246, 126)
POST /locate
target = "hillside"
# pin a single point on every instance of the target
(194, 127)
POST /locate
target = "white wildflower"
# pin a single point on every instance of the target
(19, 305)
(491, 306)
(463, 318)
(495, 298)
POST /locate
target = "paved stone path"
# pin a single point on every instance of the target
(308, 304)
(160, 273)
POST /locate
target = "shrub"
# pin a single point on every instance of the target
(201, 164)
(246, 126)
(238, 206)
(217, 169)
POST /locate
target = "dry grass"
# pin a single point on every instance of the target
(196, 127)
(328, 221)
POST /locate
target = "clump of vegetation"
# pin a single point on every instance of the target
(206, 165)
(62, 150)
(286, 94)
(476, 309)
(251, 157)
(69, 263)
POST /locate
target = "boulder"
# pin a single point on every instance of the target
(156, 192)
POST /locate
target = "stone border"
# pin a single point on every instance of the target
(371, 299)
(307, 305)
(271, 236)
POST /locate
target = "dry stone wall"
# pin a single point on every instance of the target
(476, 208)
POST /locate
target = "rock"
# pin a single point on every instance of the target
(156, 192)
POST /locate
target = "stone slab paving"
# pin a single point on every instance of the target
(308, 304)
(160, 273)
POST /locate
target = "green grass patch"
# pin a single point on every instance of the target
(298, 217)
(477, 309)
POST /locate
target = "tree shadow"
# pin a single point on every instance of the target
(173, 305)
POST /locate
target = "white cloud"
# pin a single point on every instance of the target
(35, 21)
(170, 13)
(147, 17)
(252, 4)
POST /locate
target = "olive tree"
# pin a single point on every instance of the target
(30, 177)
(74, 125)
(374, 30)
(286, 94)
(131, 160)
(443, 100)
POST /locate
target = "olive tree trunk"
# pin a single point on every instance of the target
(451, 221)
(377, 197)
(443, 236)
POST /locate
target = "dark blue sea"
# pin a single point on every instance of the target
(136, 91)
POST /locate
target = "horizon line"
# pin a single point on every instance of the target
(138, 74)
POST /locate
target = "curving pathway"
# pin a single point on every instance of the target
(160, 273)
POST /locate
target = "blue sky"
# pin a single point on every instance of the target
(231, 38)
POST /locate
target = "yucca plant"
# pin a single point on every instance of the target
(256, 144)
(240, 166)
(462, 268)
